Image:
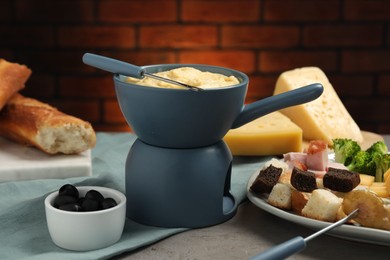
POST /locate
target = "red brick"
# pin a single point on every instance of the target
(87, 87)
(143, 57)
(96, 36)
(278, 61)
(29, 36)
(367, 10)
(369, 109)
(5, 10)
(384, 129)
(260, 87)
(260, 36)
(343, 35)
(384, 85)
(40, 86)
(123, 127)
(236, 59)
(150, 11)
(54, 11)
(369, 126)
(388, 36)
(352, 85)
(217, 11)
(86, 110)
(178, 36)
(112, 112)
(366, 60)
(6, 54)
(61, 61)
(301, 10)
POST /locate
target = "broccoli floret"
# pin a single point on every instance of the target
(345, 150)
(382, 164)
(362, 163)
(374, 161)
(379, 158)
(377, 147)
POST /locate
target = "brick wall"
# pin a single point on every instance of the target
(348, 39)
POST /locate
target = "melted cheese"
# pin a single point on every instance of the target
(187, 75)
(326, 117)
(271, 134)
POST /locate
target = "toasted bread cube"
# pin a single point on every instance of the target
(280, 196)
(299, 200)
(322, 205)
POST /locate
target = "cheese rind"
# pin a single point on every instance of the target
(271, 134)
(326, 117)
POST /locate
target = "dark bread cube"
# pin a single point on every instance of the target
(266, 179)
(341, 180)
(303, 180)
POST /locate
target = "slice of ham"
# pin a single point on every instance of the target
(294, 156)
(317, 155)
(295, 159)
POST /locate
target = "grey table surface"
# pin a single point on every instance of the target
(249, 232)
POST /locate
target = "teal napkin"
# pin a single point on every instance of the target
(23, 229)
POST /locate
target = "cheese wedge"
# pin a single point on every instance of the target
(271, 134)
(387, 181)
(326, 117)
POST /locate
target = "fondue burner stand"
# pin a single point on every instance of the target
(179, 187)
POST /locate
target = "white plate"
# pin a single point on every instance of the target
(350, 232)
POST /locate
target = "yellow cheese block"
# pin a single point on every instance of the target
(366, 179)
(326, 117)
(387, 180)
(380, 189)
(386, 175)
(271, 134)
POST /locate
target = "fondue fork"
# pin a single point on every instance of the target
(298, 243)
(127, 69)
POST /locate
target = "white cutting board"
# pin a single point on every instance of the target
(18, 162)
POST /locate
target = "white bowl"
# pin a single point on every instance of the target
(83, 231)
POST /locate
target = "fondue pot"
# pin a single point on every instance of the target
(178, 170)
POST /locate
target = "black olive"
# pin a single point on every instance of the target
(68, 190)
(63, 200)
(68, 199)
(94, 195)
(71, 207)
(90, 205)
(108, 203)
(80, 200)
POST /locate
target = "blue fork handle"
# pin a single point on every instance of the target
(112, 65)
(282, 250)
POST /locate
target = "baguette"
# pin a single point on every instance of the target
(31, 122)
(13, 76)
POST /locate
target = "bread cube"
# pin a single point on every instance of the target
(322, 205)
(299, 200)
(280, 196)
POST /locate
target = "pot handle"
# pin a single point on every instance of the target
(270, 104)
(113, 65)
